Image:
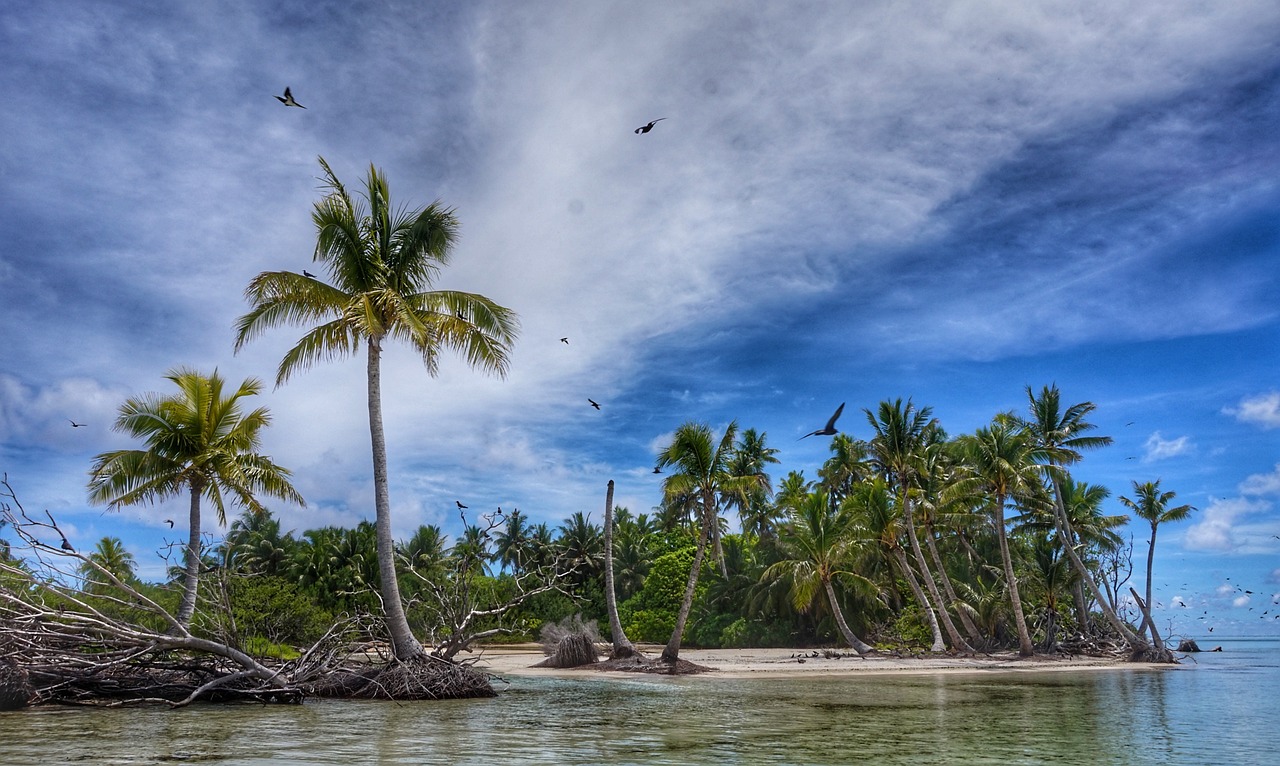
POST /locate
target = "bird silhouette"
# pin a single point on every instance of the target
(830, 428)
(169, 522)
(649, 127)
(75, 424)
(1131, 458)
(461, 507)
(594, 404)
(287, 99)
(564, 341)
(308, 274)
(656, 469)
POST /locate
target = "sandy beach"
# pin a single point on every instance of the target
(518, 660)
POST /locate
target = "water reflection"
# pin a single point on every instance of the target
(1121, 717)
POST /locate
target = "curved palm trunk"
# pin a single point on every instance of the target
(1025, 648)
(1064, 531)
(671, 652)
(190, 580)
(858, 644)
(965, 619)
(403, 645)
(956, 640)
(901, 558)
(622, 646)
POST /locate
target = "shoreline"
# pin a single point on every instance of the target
(517, 661)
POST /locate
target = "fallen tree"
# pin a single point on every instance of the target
(64, 645)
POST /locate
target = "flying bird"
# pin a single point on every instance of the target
(830, 428)
(1129, 423)
(461, 507)
(564, 341)
(287, 99)
(308, 274)
(649, 127)
(594, 404)
(169, 522)
(656, 469)
(75, 424)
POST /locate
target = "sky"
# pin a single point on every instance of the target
(846, 202)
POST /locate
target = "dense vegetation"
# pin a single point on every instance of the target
(915, 539)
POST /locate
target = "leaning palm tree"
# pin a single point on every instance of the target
(822, 547)
(1153, 506)
(701, 474)
(198, 441)
(1058, 436)
(622, 646)
(381, 264)
(998, 465)
(901, 436)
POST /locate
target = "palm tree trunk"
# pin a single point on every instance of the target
(974, 634)
(1064, 531)
(858, 644)
(403, 644)
(1151, 554)
(622, 646)
(672, 651)
(901, 558)
(956, 640)
(1025, 648)
(190, 581)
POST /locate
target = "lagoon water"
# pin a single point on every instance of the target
(1221, 708)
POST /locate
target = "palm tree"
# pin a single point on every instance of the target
(845, 468)
(198, 441)
(622, 646)
(580, 546)
(255, 546)
(381, 264)
(511, 545)
(1058, 437)
(998, 464)
(1153, 505)
(750, 457)
(822, 545)
(701, 474)
(901, 436)
(111, 558)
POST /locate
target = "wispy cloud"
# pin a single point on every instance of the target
(1159, 448)
(1260, 410)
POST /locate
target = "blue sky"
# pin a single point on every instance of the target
(847, 202)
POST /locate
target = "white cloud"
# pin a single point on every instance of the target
(1262, 483)
(1240, 601)
(1261, 410)
(1217, 527)
(1159, 448)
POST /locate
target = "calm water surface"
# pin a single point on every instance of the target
(1222, 709)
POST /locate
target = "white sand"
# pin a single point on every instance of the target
(752, 663)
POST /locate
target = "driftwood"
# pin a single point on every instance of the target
(71, 647)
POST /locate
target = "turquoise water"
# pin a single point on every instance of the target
(1223, 708)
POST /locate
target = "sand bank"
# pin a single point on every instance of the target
(752, 663)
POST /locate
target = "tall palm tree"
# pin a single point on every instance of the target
(998, 464)
(198, 441)
(1153, 505)
(901, 435)
(381, 263)
(822, 546)
(622, 646)
(255, 546)
(701, 474)
(581, 547)
(845, 468)
(1059, 436)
